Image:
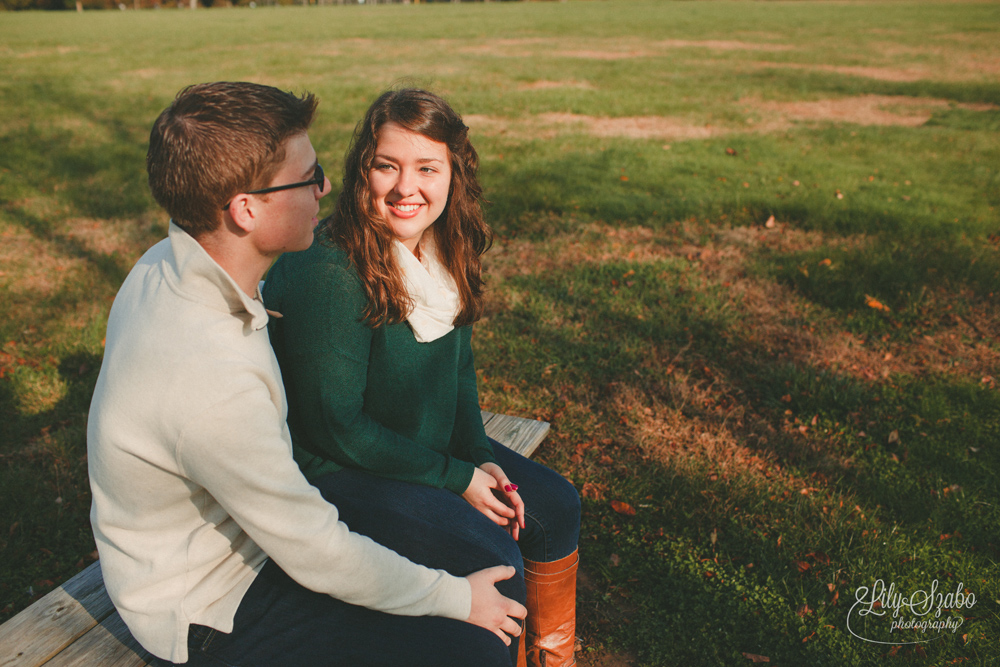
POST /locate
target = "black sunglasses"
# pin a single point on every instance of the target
(319, 178)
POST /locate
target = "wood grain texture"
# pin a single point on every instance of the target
(109, 645)
(520, 434)
(57, 620)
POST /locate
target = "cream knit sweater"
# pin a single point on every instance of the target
(191, 466)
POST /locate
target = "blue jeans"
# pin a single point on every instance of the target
(281, 623)
(439, 529)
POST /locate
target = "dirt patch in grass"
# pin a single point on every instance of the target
(549, 125)
(721, 45)
(777, 116)
(881, 73)
(548, 85)
(861, 110)
(654, 49)
(635, 127)
(952, 67)
(593, 54)
(37, 269)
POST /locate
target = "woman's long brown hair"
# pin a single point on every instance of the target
(461, 233)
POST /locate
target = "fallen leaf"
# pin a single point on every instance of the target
(592, 491)
(753, 657)
(622, 508)
(803, 610)
(802, 565)
(730, 151)
(819, 557)
(826, 262)
(709, 574)
(840, 195)
(615, 560)
(894, 438)
(872, 302)
(770, 223)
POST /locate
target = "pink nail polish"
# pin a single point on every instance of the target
(513, 487)
(507, 488)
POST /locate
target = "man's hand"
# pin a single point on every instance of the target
(490, 609)
(480, 495)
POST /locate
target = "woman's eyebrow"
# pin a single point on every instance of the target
(423, 160)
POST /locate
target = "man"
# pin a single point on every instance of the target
(214, 547)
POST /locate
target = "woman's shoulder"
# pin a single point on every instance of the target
(323, 256)
(323, 266)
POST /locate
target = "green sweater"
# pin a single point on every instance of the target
(372, 399)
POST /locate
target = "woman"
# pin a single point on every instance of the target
(374, 347)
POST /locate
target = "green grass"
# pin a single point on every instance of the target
(781, 441)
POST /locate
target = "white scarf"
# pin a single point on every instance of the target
(431, 288)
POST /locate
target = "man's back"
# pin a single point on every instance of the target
(175, 356)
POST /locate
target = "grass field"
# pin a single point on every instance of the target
(747, 266)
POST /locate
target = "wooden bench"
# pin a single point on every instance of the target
(76, 624)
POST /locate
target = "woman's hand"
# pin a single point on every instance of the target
(490, 609)
(495, 496)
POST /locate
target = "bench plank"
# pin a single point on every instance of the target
(520, 434)
(47, 627)
(109, 644)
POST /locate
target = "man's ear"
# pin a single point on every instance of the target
(243, 211)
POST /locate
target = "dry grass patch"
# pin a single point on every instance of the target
(721, 45)
(951, 66)
(38, 270)
(861, 110)
(551, 125)
(881, 73)
(776, 320)
(549, 85)
(893, 110)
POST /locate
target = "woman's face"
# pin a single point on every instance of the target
(410, 177)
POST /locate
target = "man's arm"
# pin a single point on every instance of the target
(257, 482)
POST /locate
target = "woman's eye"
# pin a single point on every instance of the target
(428, 170)
(383, 167)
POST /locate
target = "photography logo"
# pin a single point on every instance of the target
(881, 613)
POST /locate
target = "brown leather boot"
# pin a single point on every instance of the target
(522, 661)
(551, 622)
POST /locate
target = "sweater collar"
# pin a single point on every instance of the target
(200, 278)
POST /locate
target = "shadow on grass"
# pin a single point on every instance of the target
(899, 274)
(614, 324)
(639, 183)
(47, 497)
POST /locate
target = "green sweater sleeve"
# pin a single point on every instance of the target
(469, 436)
(323, 347)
